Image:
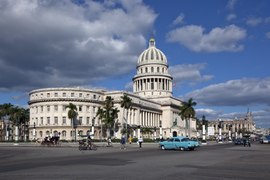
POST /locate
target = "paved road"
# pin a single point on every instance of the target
(223, 161)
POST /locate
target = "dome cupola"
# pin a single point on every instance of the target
(152, 79)
(152, 54)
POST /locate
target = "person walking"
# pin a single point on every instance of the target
(123, 142)
(140, 140)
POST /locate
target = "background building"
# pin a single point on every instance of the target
(153, 106)
(238, 127)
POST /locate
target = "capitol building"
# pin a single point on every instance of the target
(153, 105)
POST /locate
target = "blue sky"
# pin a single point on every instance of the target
(218, 51)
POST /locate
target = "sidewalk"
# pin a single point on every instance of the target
(99, 144)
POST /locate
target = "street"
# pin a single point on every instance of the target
(219, 161)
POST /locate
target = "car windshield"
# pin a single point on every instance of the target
(185, 139)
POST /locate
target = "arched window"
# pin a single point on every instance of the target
(40, 134)
(152, 69)
(158, 69)
(64, 133)
(47, 133)
(146, 69)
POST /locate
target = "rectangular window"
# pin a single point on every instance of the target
(48, 94)
(88, 120)
(72, 94)
(80, 95)
(80, 120)
(64, 120)
(64, 94)
(48, 108)
(41, 120)
(41, 108)
(64, 107)
(87, 108)
(80, 108)
(55, 108)
(55, 120)
(94, 96)
(55, 94)
(48, 120)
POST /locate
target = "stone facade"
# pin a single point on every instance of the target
(153, 105)
(238, 127)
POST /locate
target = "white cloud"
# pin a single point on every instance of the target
(179, 19)
(217, 40)
(61, 43)
(231, 17)
(190, 73)
(231, 4)
(254, 21)
(241, 92)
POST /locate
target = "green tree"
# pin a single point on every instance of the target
(16, 117)
(72, 115)
(187, 112)
(100, 115)
(108, 115)
(125, 104)
(5, 111)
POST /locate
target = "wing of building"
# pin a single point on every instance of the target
(153, 106)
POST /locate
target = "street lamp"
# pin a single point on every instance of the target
(155, 133)
(34, 131)
(230, 132)
(219, 130)
(203, 131)
(93, 127)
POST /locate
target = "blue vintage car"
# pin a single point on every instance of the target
(179, 142)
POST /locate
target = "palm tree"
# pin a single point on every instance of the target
(5, 111)
(72, 114)
(100, 114)
(125, 104)
(108, 114)
(16, 116)
(187, 112)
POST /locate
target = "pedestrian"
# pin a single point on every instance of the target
(89, 142)
(130, 140)
(123, 142)
(109, 141)
(140, 140)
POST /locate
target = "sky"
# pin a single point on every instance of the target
(217, 50)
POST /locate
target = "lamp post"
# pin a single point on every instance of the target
(93, 126)
(160, 132)
(155, 133)
(139, 131)
(34, 131)
(203, 130)
(219, 131)
(230, 132)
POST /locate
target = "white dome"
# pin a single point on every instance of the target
(152, 55)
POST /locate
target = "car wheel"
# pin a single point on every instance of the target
(162, 147)
(182, 149)
(191, 148)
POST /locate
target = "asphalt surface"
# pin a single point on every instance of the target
(213, 161)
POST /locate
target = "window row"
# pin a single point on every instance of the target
(63, 108)
(152, 70)
(63, 121)
(66, 94)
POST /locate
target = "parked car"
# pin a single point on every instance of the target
(238, 141)
(265, 139)
(179, 142)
